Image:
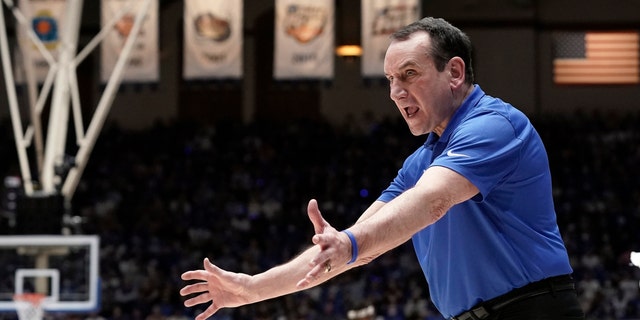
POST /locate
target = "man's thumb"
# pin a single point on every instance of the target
(315, 216)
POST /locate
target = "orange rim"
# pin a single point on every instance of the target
(32, 298)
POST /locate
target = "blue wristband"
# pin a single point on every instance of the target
(354, 246)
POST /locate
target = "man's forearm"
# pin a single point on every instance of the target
(286, 278)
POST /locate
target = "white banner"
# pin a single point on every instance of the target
(143, 62)
(212, 39)
(304, 39)
(46, 19)
(380, 18)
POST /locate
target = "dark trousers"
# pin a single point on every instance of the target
(549, 299)
(562, 305)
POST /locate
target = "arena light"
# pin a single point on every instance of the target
(635, 258)
(350, 50)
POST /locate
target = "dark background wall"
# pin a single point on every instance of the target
(513, 60)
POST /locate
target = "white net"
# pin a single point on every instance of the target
(29, 306)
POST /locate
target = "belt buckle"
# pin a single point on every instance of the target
(478, 313)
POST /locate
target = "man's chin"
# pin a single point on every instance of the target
(417, 131)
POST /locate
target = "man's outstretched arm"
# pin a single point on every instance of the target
(225, 289)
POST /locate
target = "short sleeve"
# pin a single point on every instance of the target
(484, 150)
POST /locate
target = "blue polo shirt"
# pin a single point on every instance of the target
(504, 237)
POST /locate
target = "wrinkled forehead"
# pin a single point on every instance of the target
(413, 48)
(415, 39)
(416, 42)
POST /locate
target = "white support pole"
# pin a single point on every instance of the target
(102, 110)
(32, 89)
(59, 115)
(75, 95)
(62, 82)
(13, 107)
(34, 115)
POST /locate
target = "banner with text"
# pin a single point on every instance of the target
(143, 62)
(46, 19)
(304, 39)
(212, 39)
(380, 18)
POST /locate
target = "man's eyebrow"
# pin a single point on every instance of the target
(404, 65)
(408, 63)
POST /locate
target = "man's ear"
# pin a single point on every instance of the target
(457, 70)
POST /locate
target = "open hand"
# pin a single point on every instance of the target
(223, 288)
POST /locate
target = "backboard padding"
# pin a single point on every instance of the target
(65, 268)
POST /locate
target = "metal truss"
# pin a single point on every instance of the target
(60, 87)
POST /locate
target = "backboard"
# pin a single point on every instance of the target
(64, 268)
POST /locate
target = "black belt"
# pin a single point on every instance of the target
(545, 286)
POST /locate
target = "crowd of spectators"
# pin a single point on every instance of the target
(164, 198)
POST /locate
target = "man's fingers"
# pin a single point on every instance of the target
(312, 275)
(201, 274)
(199, 299)
(193, 288)
(194, 275)
(201, 288)
(323, 240)
(208, 312)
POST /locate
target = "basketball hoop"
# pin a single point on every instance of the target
(29, 306)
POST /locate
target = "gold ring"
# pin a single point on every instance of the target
(327, 267)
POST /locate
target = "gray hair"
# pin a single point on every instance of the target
(447, 42)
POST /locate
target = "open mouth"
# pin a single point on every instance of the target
(411, 111)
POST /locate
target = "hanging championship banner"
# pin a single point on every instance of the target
(46, 19)
(142, 65)
(380, 18)
(304, 39)
(212, 39)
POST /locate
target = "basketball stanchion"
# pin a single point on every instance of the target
(29, 306)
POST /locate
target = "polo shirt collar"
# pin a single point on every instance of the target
(471, 101)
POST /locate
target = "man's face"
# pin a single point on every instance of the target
(422, 94)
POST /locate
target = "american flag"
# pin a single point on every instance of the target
(605, 57)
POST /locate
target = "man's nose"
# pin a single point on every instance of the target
(397, 92)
